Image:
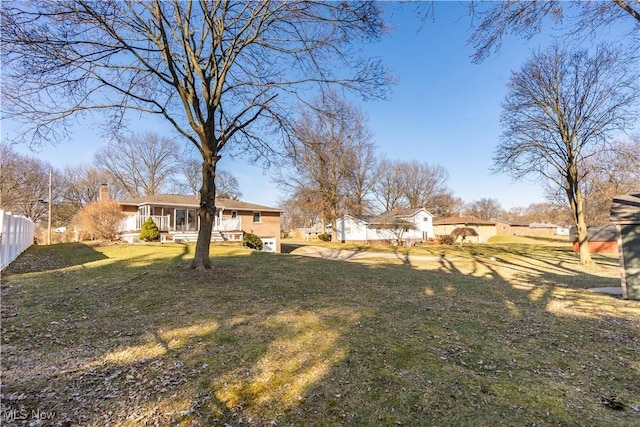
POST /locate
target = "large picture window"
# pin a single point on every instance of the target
(186, 220)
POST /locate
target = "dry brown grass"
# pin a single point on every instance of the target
(479, 335)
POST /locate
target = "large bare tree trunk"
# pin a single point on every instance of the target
(581, 227)
(206, 213)
(334, 224)
(577, 208)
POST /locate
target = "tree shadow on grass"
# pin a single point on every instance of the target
(40, 258)
(272, 339)
(478, 347)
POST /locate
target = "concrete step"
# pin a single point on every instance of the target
(216, 236)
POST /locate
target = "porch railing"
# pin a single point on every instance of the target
(229, 224)
(163, 222)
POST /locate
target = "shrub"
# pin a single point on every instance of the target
(252, 241)
(101, 220)
(149, 230)
(325, 237)
(445, 239)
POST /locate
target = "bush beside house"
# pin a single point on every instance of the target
(149, 231)
(252, 241)
(101, 220)
(325, 237)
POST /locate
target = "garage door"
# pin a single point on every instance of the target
(268, 244)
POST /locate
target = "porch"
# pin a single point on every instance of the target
(181, 220)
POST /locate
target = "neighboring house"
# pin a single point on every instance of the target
(400, 226)
(305, 233)
(544, 229)
(602, 239)
(508, 228)
(176, 217)
(485, 228)
(489, 228)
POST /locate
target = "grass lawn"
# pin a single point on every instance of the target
(483, 335)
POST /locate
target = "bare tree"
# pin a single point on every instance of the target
(141, 165)
(300, 210)
(422, 182)
(411, 184)
(560, 108)
(445, 205)
(484, 208)
(24, 184)
(526, 19)
(81, 186)
(227, 185)
(541, 213)
(224, 74)
(388, 189)
(362, 176)
(192, 173)
(609, 173)
(330, 138)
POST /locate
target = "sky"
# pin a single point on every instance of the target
(444, 110)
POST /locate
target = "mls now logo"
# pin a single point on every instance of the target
(15, 414)
(22, 414)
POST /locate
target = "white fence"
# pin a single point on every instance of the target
(16, 235)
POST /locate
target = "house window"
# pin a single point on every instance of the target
(186, 220)
(257, 217)
(234, 214)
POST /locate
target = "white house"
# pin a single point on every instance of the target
(400, 226)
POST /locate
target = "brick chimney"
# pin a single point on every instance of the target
(396, 210)
(104, 193)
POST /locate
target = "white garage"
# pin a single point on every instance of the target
(268, 244)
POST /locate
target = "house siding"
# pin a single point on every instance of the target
(602, 239)
(268, 227)
(485, 230)
(351, 229)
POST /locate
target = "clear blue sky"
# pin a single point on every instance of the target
(444, 110)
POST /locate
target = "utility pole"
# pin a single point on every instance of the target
(49, 228)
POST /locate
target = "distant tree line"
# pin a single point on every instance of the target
(364, 183)
(140, 165)
(335, 170)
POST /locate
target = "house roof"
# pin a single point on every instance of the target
(399, 216)
(511, 223)
(625, 209)
(596, 233)
(194, 201)
(542, 225)
(463, 220)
